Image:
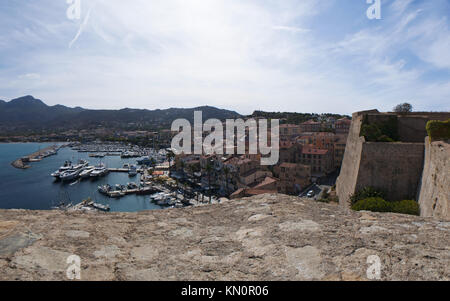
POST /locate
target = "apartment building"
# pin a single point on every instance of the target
(311, 126)
(320, 160)
(293, 177)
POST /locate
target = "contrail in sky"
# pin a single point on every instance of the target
(83, 25)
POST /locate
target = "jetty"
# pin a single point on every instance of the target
(138, 191)
(21, 163)
(140, 170)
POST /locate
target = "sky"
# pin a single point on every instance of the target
(243, 55)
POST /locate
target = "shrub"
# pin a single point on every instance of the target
(406, 207)
(367, 192)
(380, 205)
(438, 130)
(324, 200)
(389, 128)
(384, 138)
(371, 132)
(372, 204)
(382, 131)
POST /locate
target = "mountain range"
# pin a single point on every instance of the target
(30, 114)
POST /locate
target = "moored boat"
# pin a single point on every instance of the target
(86, 173)
(69, 175)
(132, 172)
(116, 194)
(99, 171)
(105, 189)
(144, 161)
(67, 166)
(132, 185)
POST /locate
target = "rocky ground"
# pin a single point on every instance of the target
(269, 237)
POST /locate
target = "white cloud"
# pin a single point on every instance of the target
(400, 6)
(32, 76)
(241, 55)
(291, 29)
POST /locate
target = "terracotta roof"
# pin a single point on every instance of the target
(344, 120)
(244, 161)
(285, 144)
(326, 134)
(314, 151)
(288, 126)
(267, 181)
(192, 162)
(304, 137)
(289, 165)
(237, 192)
(311, 122)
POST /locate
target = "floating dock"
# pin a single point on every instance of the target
(123, 170)
(138, 191)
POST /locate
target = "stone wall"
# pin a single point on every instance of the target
(412, 127)
(346, 182)
(434, 196)
(263, 238)
(394, 168)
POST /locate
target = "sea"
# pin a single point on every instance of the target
(35, 189)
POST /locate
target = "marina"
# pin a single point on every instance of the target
(68, 178)
(37, 188)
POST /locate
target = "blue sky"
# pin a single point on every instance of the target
(244, 55)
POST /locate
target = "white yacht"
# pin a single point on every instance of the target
(86, 173)
(72, 172)
(69, 175)
(81, 164)
(67, 166)
(99, 171)
(163, 199)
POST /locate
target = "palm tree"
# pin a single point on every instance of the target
(170, 155)
(226, 170)
(184, 191)
(208, 171)
(182, 166)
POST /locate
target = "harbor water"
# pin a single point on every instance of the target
(36, 189)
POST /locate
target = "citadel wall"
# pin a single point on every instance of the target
(434, 194)
(396, 168)
(346, 182)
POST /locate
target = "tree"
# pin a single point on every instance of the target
(226, 170)
(209, 168)
(170, 155)
(403, 108)
(185, 186)
(182, 166)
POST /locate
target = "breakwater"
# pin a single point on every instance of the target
(21, 163)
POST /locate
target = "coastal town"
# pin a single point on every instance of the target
(310, 154)
(232, 142)
(310, 157)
